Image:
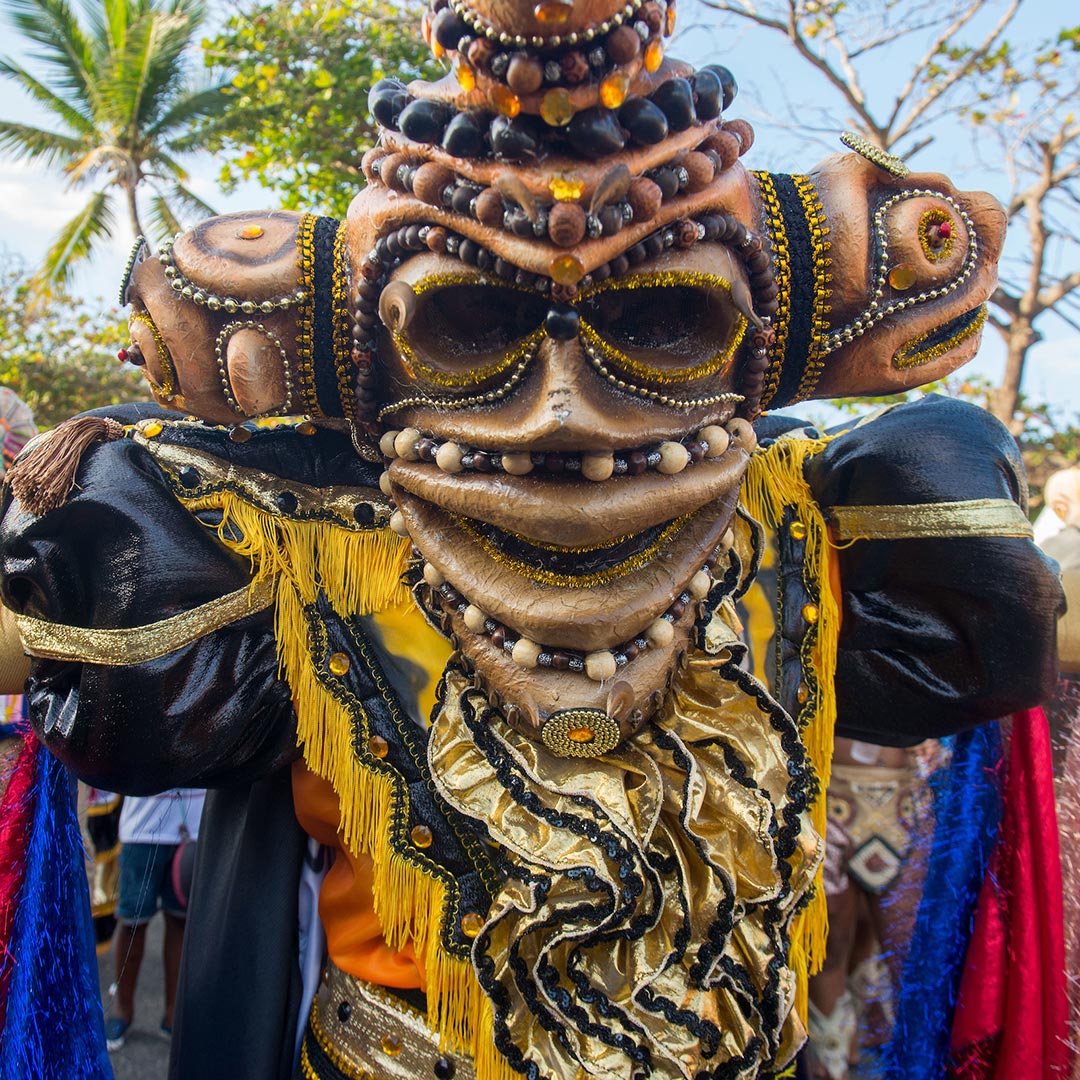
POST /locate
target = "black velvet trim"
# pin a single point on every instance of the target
(327, 393)
(801, 276)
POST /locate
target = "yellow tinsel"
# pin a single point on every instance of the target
(775, 484)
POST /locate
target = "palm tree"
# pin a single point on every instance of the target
(117, 83)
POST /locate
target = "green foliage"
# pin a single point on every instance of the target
(298, 120)
(117, 85)
(61, 359)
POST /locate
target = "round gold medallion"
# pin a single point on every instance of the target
(580, 733)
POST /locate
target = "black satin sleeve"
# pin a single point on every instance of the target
(123, 552)
(938, 635)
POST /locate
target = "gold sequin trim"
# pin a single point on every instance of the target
(169, 381)
(573, 581)
(874, 154)
(139, 644)
(342, 330)
(305, 321)
(972, 517)
(418, 369)
(820, 245)
(912, 355)
(781, 253)
(928, 221)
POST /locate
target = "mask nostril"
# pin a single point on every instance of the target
(562, 323)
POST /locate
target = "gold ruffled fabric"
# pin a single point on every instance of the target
(645, 920)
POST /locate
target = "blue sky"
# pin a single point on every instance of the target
(33, 204)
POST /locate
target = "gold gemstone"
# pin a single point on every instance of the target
(306, 428)
(391, 1045)
(902, 277)
(803, 693)
(436, 48)
(553, 12)
(472, 924)
(581, 734)
(250, 232)
(654, 55)
(421, 836)
(798, 530)
(566, 187)
(613, 89)
(669, 18)
(557, 109)
(505, 100)
(339, 663)
(810, 613)
(152, 429)
(566, 270)
(378, 746)
(466, 77)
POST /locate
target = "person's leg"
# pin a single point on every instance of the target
(174, 944)
(130, 945)
(135, 908)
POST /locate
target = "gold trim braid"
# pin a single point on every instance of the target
(139, 644)
(819, 317)
(305, 322)
(774, 224)
(972, 517)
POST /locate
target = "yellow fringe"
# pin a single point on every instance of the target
(775, 483)
(360, 573)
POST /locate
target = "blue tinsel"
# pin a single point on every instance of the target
(967, 809)
(54, 1028)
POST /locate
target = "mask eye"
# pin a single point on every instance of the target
(663, 332)
(464, 334)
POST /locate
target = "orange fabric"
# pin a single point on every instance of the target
(346, 906)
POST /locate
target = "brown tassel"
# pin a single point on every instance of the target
(43, 476)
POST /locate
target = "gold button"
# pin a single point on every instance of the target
(810, 613)
(152, 429)
(798, 530)
(421, 836)
(339, 663)
(472, 924)
(391, 1045)
(378, 746)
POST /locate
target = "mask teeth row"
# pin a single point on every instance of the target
(668, 457)
(598, 666)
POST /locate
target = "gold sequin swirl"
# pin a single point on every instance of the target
(169, 381)
(820, 245)
(781, 255)
(874, 154)
(911, 354)
(930, 220)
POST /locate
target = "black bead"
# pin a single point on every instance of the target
(462, 197)
(595, 133)
(520, 225)
(364, 513)
(512, 139)
(386, 99)
(708, 94)
(469, 252)
(654, 245)
(611, 220)
(676, 99)
(667, 180)
(729, 87)
(344, 1011)
(424, 121)
(444, 1068)
(562, 323)
(189, 476)
(645, 121)
(464, 137)
(286, 502)
(448, 28)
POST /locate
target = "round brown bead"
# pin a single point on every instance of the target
(699, 169)
(368, 160)
(389, 171)
(525, 75)
(725, 146)
(436, 239)
(489, 208)
(575, 66)
(623, 44)
(652, 16)
(566, 224)
(429, 181)
(645, 198)
(686, 233)
(743, 131)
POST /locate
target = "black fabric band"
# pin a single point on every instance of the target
(322, 347)
(802, 288)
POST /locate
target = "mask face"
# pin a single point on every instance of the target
(572, 467)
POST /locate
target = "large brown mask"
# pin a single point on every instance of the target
(568, 472)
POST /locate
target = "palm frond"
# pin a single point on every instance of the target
(26, 143)
(63, 45)
(204, 104)
(74, 118)
(163, 222)
(191, 202)
(75, 242)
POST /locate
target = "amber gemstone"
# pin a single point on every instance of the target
(505, 100)
(803, 693)
(466, 77)
(339, 663)
(152, 429)
(239, 434)
(810, 613)
(306, 428)
(581, 734)
(391, 1045)
(669, 18)
(654, 55)
(566, 187)
(378, 746)
(421, 836)
(613, 89)
(566, 270)
(472, 924)
(798, 530)
(250, 232)
(557, 109)
(553, 12)
(902, 277)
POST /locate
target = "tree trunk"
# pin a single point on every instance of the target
(133, 209)
(1003, 400)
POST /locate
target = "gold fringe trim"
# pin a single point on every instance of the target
(360, 573)
(775, 483)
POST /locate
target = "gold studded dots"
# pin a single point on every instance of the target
(874, 154)
(305, 339)
(341, 324)
(580, 733)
